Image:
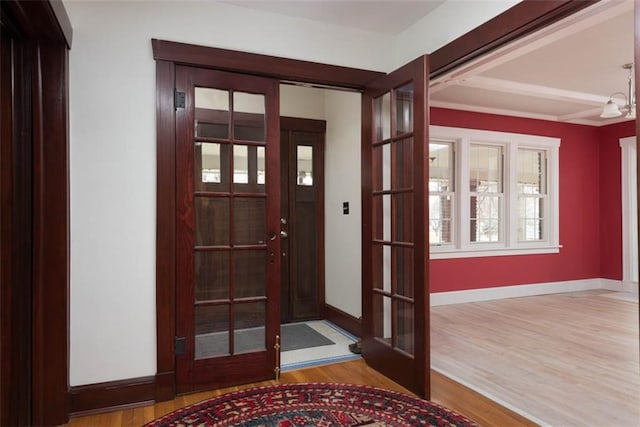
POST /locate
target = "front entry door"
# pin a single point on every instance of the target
(395, 242)
(302, 210)
(228, 230)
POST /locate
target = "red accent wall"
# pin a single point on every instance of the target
(588, 229)
(611, 198)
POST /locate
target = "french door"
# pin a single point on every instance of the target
(228, 229)
(395, 240)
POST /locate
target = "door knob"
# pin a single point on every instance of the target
(284, 234)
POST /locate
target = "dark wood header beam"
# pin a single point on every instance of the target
(262, 65)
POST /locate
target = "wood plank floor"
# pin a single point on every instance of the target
(444, 391)
(566, 359)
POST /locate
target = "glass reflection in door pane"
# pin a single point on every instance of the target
(249, 327)
(403, 272)
(240, 164)
(212, 113)
(212, 330)
(250, 273)
(403, 163)
(212, 221)
(211, 166)
(248, 116)
(249, 223)
(261, 169)
(382, 318)
(382, 117)
(404, 326)
(404, 109)
(211, 275)
(305, 165)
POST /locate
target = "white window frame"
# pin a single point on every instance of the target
(462, 247)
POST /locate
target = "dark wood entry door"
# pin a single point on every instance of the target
(228, 228)
(302, 210)
(395, 242)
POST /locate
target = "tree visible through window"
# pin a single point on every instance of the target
(485, 189)
(532, 194)
(441, 192)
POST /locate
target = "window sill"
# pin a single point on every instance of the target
(463, 253)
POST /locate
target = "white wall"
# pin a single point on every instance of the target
(112, 157)
(343, 254)
(302, 102)
(446, 23)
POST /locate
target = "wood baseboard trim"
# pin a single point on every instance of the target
(346, 321)
(165, 386)
(112, 395)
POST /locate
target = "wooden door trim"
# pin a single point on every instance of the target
(522, 19)
(42, 37)
(262, 65)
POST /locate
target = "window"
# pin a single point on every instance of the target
(532, 191)
(492, 193)
(485, 193)
(441, 192)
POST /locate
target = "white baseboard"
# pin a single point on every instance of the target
(515, 291)
(631, 287)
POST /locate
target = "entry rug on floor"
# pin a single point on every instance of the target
(313, 404)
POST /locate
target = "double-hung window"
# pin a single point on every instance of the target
(492, 193)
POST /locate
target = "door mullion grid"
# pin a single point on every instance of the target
(232, 257)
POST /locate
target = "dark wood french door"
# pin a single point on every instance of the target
(395, 240)
(228, 228)
(302, 210)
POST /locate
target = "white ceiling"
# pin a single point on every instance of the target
(565, 72)
(379, 16)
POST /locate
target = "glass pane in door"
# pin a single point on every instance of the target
(212, 275)
(212, 330)
(249, 221)
(382, 318)
(212, 221)
(404, 109)
(404, 330)
(249, 327)
(211, 166)
(304, 157)
(212, 113)
(249, 275)
(382, 117)
(248, 116)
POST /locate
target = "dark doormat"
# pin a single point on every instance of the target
(300, 335)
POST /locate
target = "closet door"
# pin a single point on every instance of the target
(228, 228)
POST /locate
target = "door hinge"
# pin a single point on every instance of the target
(179, 99)
(180, 345)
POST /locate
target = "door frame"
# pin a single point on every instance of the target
(628, 151)
(34, 297)
(522, 19)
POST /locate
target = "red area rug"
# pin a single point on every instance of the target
(313, 404)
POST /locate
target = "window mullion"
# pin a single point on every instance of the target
(511, 196)
(463, 194)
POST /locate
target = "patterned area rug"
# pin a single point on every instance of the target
(313, 404)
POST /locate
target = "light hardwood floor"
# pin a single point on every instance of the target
(444, 391)
(566, 359)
